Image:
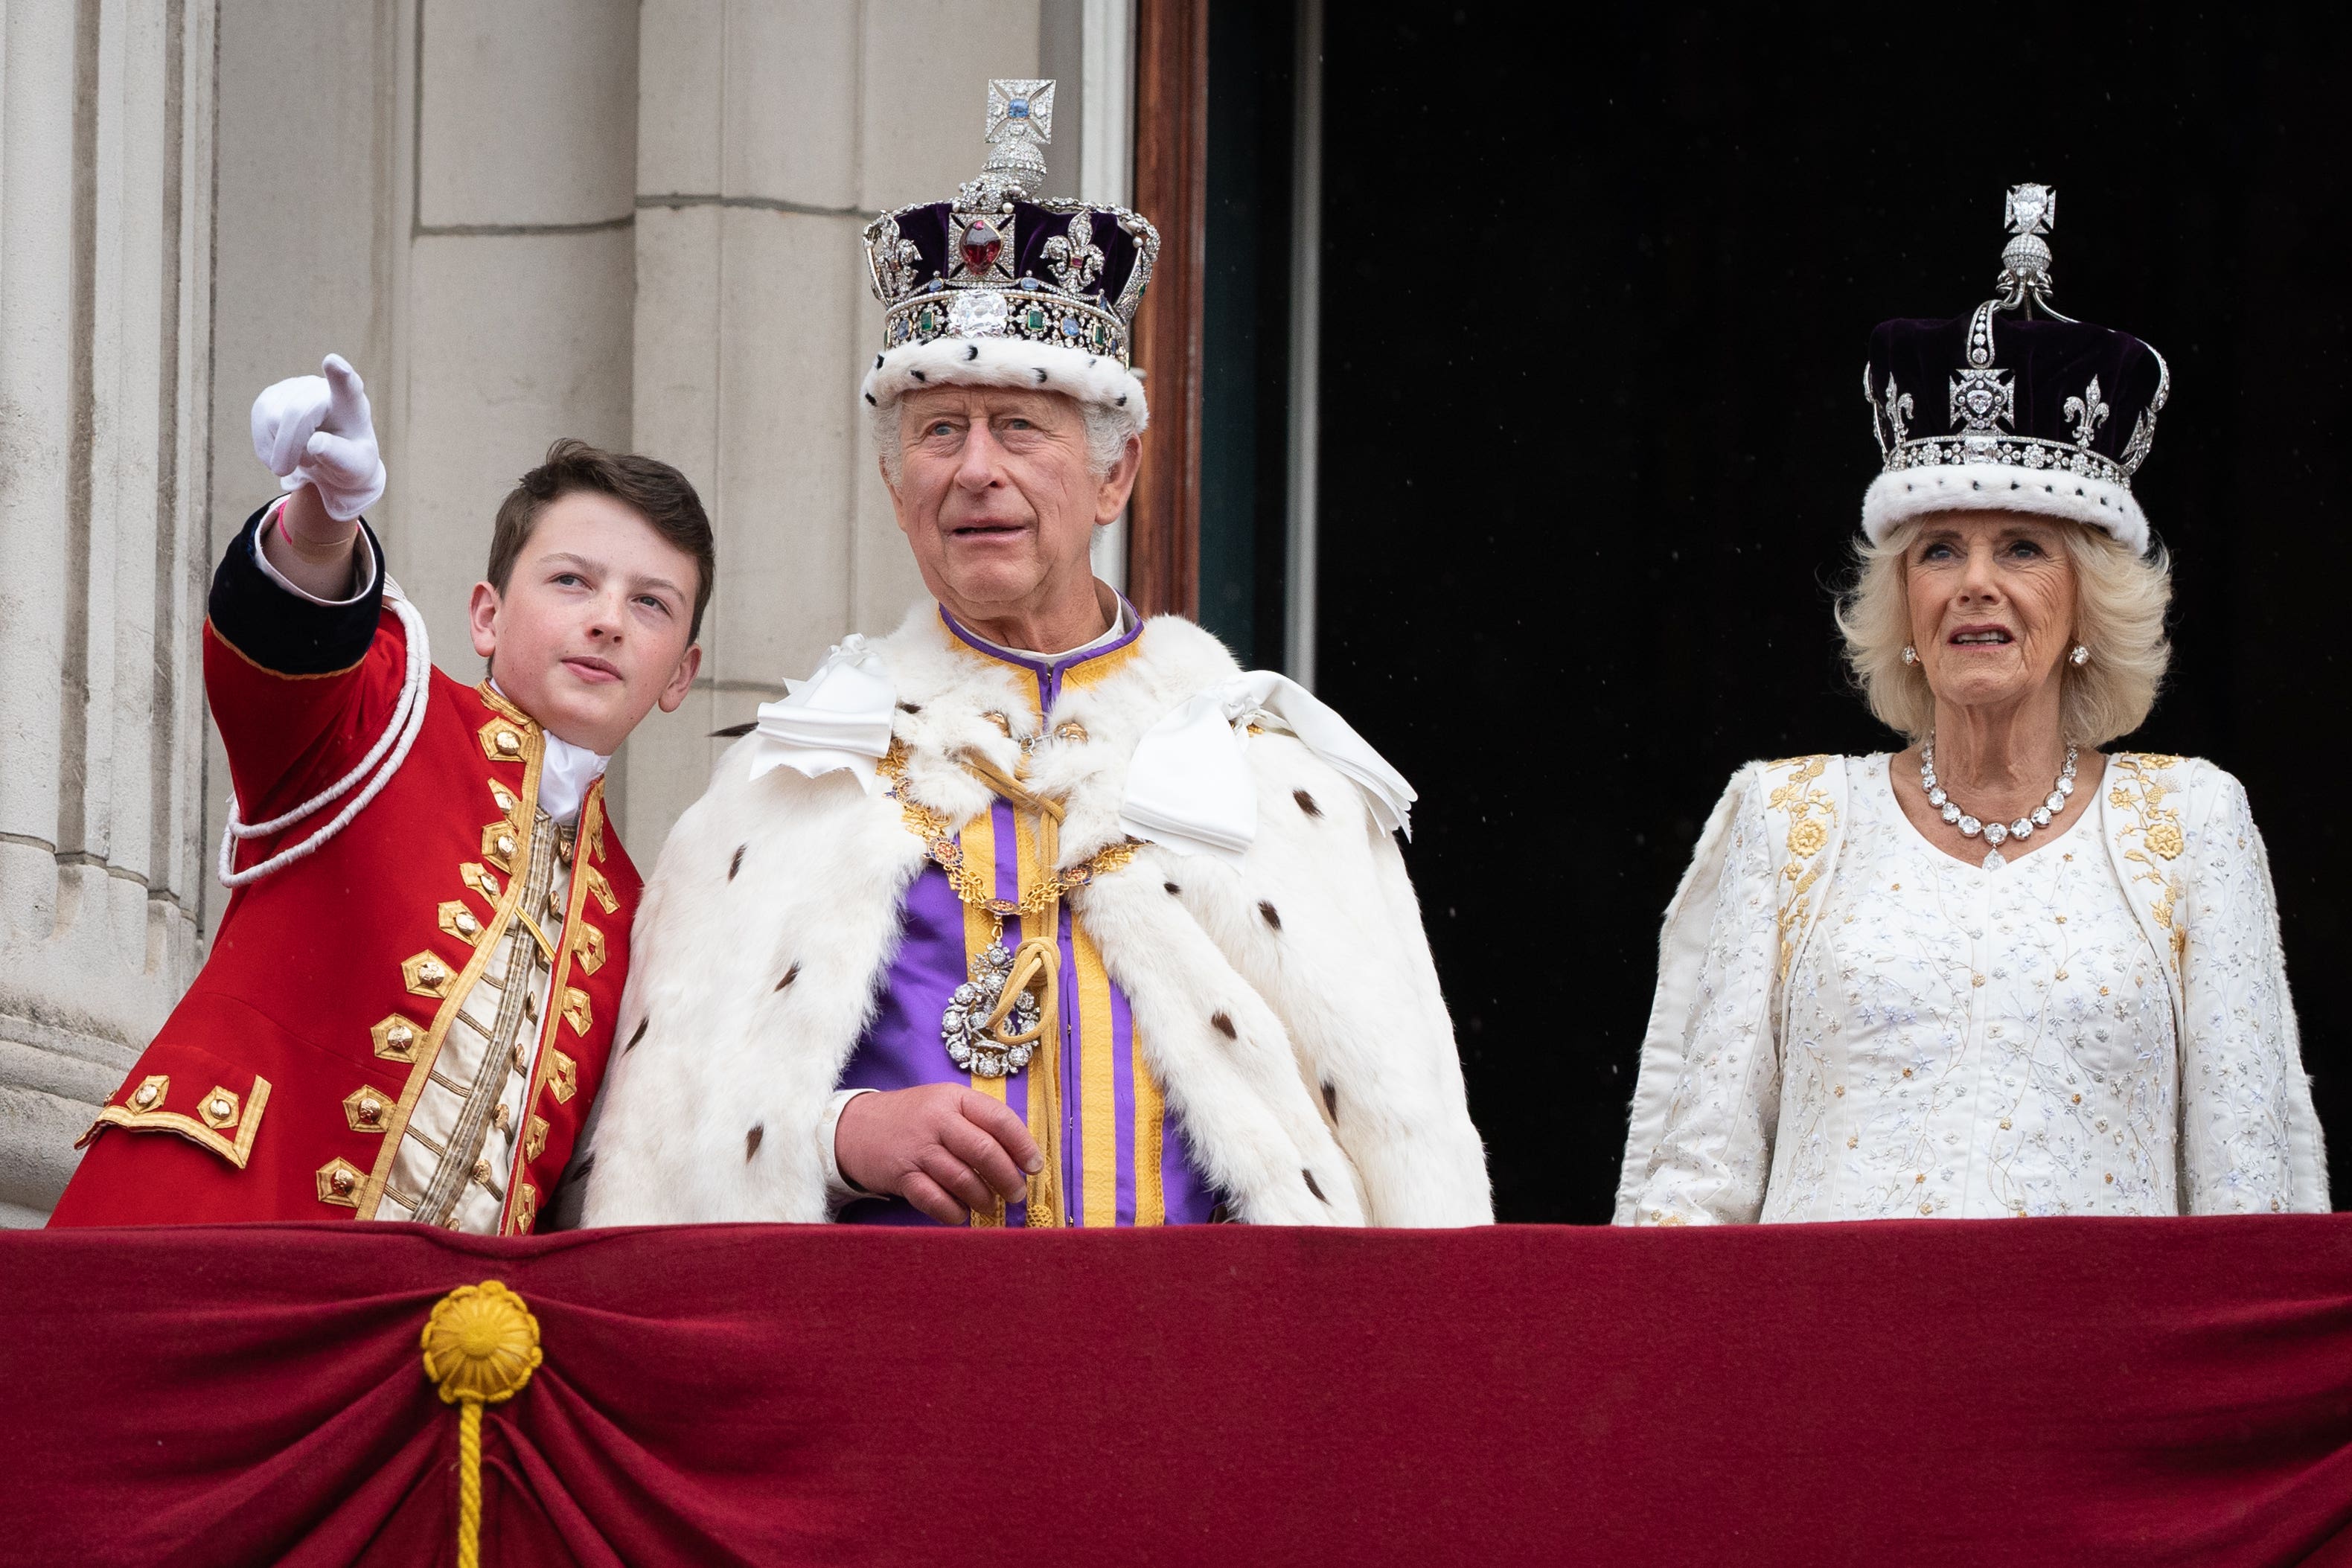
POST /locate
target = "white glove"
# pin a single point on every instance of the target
(316, 430)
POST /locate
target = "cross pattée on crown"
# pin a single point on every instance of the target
(2031, 209)
(1020, 125)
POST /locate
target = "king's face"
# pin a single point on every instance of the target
(590, 633)
(998, 499)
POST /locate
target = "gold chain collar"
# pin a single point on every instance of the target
(946, 849)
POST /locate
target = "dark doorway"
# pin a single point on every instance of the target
(1595, 297)
(1245, 328)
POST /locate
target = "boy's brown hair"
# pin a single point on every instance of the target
(652, 488)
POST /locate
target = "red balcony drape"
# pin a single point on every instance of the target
(2050, 1391)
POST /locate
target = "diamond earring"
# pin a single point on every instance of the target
(2079, 656)
(1911, 654)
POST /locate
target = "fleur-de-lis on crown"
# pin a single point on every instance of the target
(1898, 409)
(2086, 414)
(1074, 257)
(894, 258)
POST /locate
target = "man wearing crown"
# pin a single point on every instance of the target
(1032, 912)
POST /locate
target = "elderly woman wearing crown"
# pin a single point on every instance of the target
(1030, 912)
(1998, 973)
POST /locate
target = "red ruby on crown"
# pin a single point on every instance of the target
(981, 247)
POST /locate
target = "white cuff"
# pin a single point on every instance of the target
(261, 560)
(838, 1193)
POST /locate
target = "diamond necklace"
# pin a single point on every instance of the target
(1995, 833)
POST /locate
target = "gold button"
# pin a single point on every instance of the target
(2111, 1177)
(1838, 1091)
(506, 844)
(400, 1034)
(555, 899)
(467, 925)
(505, 800)
(146, 1095)
(1920, 1177)
(220, 1107)
(503, 1116)
(1976, 979)
(2078, 1099)
(489, 884)
(2004, 1123)
(370, 1110)
(482, 1172)
(508, 741)
(342, 1181)
(430, 972)
(1926, 1208)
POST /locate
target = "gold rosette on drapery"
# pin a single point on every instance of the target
(481, 1345)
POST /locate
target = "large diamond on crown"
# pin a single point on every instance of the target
(977, 313)
(2031, 208)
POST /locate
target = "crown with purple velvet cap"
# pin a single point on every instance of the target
(2012, 407)
(1004, 287)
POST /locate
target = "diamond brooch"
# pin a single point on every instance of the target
(969, 1045)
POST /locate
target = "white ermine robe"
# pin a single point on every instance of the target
(1283, 1001)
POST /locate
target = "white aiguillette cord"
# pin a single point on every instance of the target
(1190, 787)
(399, 733)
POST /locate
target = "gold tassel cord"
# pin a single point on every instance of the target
(481, 1345)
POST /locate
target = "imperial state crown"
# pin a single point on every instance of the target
(1004, 285)
(2014, 406)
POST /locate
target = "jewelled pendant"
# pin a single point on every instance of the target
(969, 1045)
(1992, 861)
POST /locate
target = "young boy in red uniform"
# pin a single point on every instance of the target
(410, 999)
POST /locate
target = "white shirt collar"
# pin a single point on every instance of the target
(565, 771)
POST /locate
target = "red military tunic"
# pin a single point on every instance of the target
(284, 1085)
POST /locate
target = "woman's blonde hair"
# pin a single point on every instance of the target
(2120, 600)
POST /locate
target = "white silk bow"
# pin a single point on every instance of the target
(839, 717)
(1189, 786)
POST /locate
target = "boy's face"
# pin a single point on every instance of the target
(591, 632)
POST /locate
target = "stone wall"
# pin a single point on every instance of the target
(106, 153)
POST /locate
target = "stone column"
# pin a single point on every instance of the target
(106, 153)
(768, 135)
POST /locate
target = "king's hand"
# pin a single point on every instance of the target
(942, 1147)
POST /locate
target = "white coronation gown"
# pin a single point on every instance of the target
(1956, 1042)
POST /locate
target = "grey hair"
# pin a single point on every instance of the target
(2120, 600)
(1107, 430)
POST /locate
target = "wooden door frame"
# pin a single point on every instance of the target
(1172, 179)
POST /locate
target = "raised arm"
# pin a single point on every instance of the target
(2250, 1139)
(301, 665)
